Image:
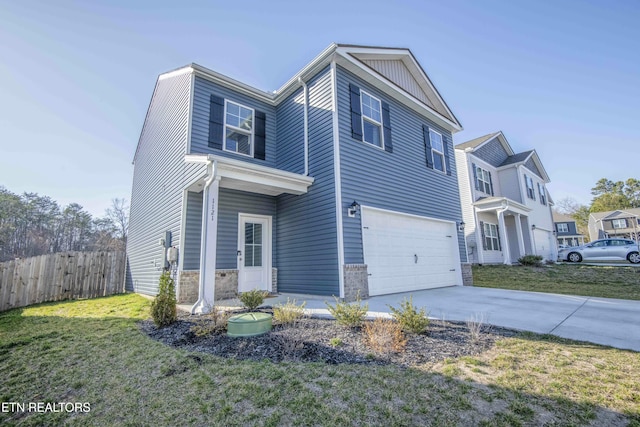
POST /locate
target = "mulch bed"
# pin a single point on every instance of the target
(310, 340)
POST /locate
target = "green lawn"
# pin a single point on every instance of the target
(93, 351)
(574, 279)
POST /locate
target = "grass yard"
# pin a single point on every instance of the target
(93, 351)
(572, 279)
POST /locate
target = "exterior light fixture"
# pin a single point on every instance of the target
(461, 225)
(353, 209)
(533, 227)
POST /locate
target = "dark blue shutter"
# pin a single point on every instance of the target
(490, 183)
(498, 234)
(386, 124)
(356, 112)
(259, 151)
(445, 147)
(427, 146)
(484, 240)
(475, 176)
(216, 122)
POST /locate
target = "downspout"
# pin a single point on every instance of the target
(212, 170)
(305, 89)
(503, 230)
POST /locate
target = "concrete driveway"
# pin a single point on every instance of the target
(599, 320)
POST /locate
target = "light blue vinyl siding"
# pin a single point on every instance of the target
(306, 233)
(493, 153)
(159, 178)
(232, 202)
(530, 164)
(290, 133)
(203, 90)
(398, 181)
(192, 231)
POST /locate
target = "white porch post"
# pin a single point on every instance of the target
(523, 251)
(479, 242)
(208, 248)
(505, 240)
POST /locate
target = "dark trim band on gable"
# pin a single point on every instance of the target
(356, 112)
(216, 122)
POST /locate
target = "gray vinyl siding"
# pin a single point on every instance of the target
(510, 184)
(203, 89)
(290, 133)
(192, 231)
(159, 178)
(531, 165)
(306, 233)
(231, 203)
(492, 152)
(398, 181)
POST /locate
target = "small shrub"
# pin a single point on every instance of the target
(410, 319)
(384, 336)
(550, 262)
(351, 315)
(476, 325)
(253, 299)
(335, 342)
(211, 323)
(288, 313)
(163, 307)
(531, 260)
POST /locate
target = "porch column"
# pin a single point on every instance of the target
(208, 248)
(523, 251)
(479, 242)
(505, 239)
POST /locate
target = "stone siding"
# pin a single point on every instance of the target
(355, 279)
(274, 280)
(188, 288)
(467, 275)
(226, 284)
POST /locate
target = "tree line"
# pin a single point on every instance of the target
(607, 195)
(32, 225)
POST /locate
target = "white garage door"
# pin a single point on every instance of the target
(407, 253)
(543, 243)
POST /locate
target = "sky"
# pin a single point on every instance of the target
(76, 77)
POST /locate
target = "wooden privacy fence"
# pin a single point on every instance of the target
(60, 276)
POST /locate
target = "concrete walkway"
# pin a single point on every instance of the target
(604, 321)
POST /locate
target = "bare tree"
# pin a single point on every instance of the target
(118, 213)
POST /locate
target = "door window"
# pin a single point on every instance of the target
(252, 245)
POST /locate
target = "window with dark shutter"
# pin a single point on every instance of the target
(447, 161)
(386, 123)
(356, 112)
(216, 122)
(427, 146)
(259, 151)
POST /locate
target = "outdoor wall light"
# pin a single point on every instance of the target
(533, 227)
(353, 209)
(461, 225)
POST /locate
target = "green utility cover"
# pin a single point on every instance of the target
(248, 324)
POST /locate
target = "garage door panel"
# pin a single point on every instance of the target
(391, 243)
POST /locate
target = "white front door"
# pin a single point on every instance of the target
(254, 252)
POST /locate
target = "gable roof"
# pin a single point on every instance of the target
(618, 213)
(517, 158)
(560, 217)
(477, 141)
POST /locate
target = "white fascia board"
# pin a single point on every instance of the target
(385, 85)
(495, 203)
(183, 70)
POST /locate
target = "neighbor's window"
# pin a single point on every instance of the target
(238, 128)
(530, 191)
(563, 228)
(619, 223)
(484, 180)
(543, 194)
(437, 150)
(371, 119)
(491, 237)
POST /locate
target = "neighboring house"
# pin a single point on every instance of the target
(567, 230)
(341, 181)
(505, 204)
(622, 223)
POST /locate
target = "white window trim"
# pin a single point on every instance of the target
(482, 181)
(369, 119)
(492, 237)
(433, 150)
(244, 131)
(564, 226)
(531, 195)
(617, 220)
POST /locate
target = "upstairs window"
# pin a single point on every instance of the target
(238, 128)
(371, 119)
(543, 194)
(563, 228)
(483, 180)
(619, 223)
(530, 191)
(437, 150)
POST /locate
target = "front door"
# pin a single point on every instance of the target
(254, 252)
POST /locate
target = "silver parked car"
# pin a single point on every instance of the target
(602, 250)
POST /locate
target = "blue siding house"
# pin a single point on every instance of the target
(343, 181)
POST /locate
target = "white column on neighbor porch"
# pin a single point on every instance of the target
(504, 238)
(520, 235)
(208, 248)
(479, 242)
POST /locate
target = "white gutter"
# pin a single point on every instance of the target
(212, 168)
(306, 125)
